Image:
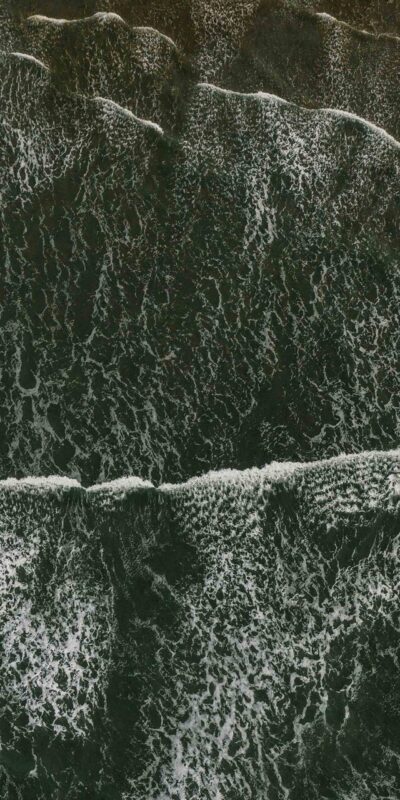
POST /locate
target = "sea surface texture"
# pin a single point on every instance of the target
(234, 636)
(199, 291)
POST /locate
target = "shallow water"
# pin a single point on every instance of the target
(232, 636)
(279, 341)
(199, 207)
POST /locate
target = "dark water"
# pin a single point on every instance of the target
(233, 636)
(199, 253)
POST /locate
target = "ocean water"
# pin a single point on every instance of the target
(199, 249)
(232, 636)
(280, 341)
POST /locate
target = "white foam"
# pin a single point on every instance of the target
(343, 458)
(127, 484)
(396, 488)
(103, 16)
(277, 470)
(329, 111)
(155, 32)
(234, 92)
(337, 112)
(44, 483)
(342, 23)
(326, 16)
(214, 476)
(32, 59)
(105, 101)
(106, 16)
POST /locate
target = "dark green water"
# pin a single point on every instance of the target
(234, 636)
(220, 292)
(199, 270)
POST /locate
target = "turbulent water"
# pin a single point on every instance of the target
(229, 637)
(199, 210)
(214, 286)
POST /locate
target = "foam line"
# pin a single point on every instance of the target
(149, 29)
(328, 111)
(125, 112)
(127, 484)
(360, 31)
(276, 470)
(31, 59)
(98, 16)
(52, 482)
